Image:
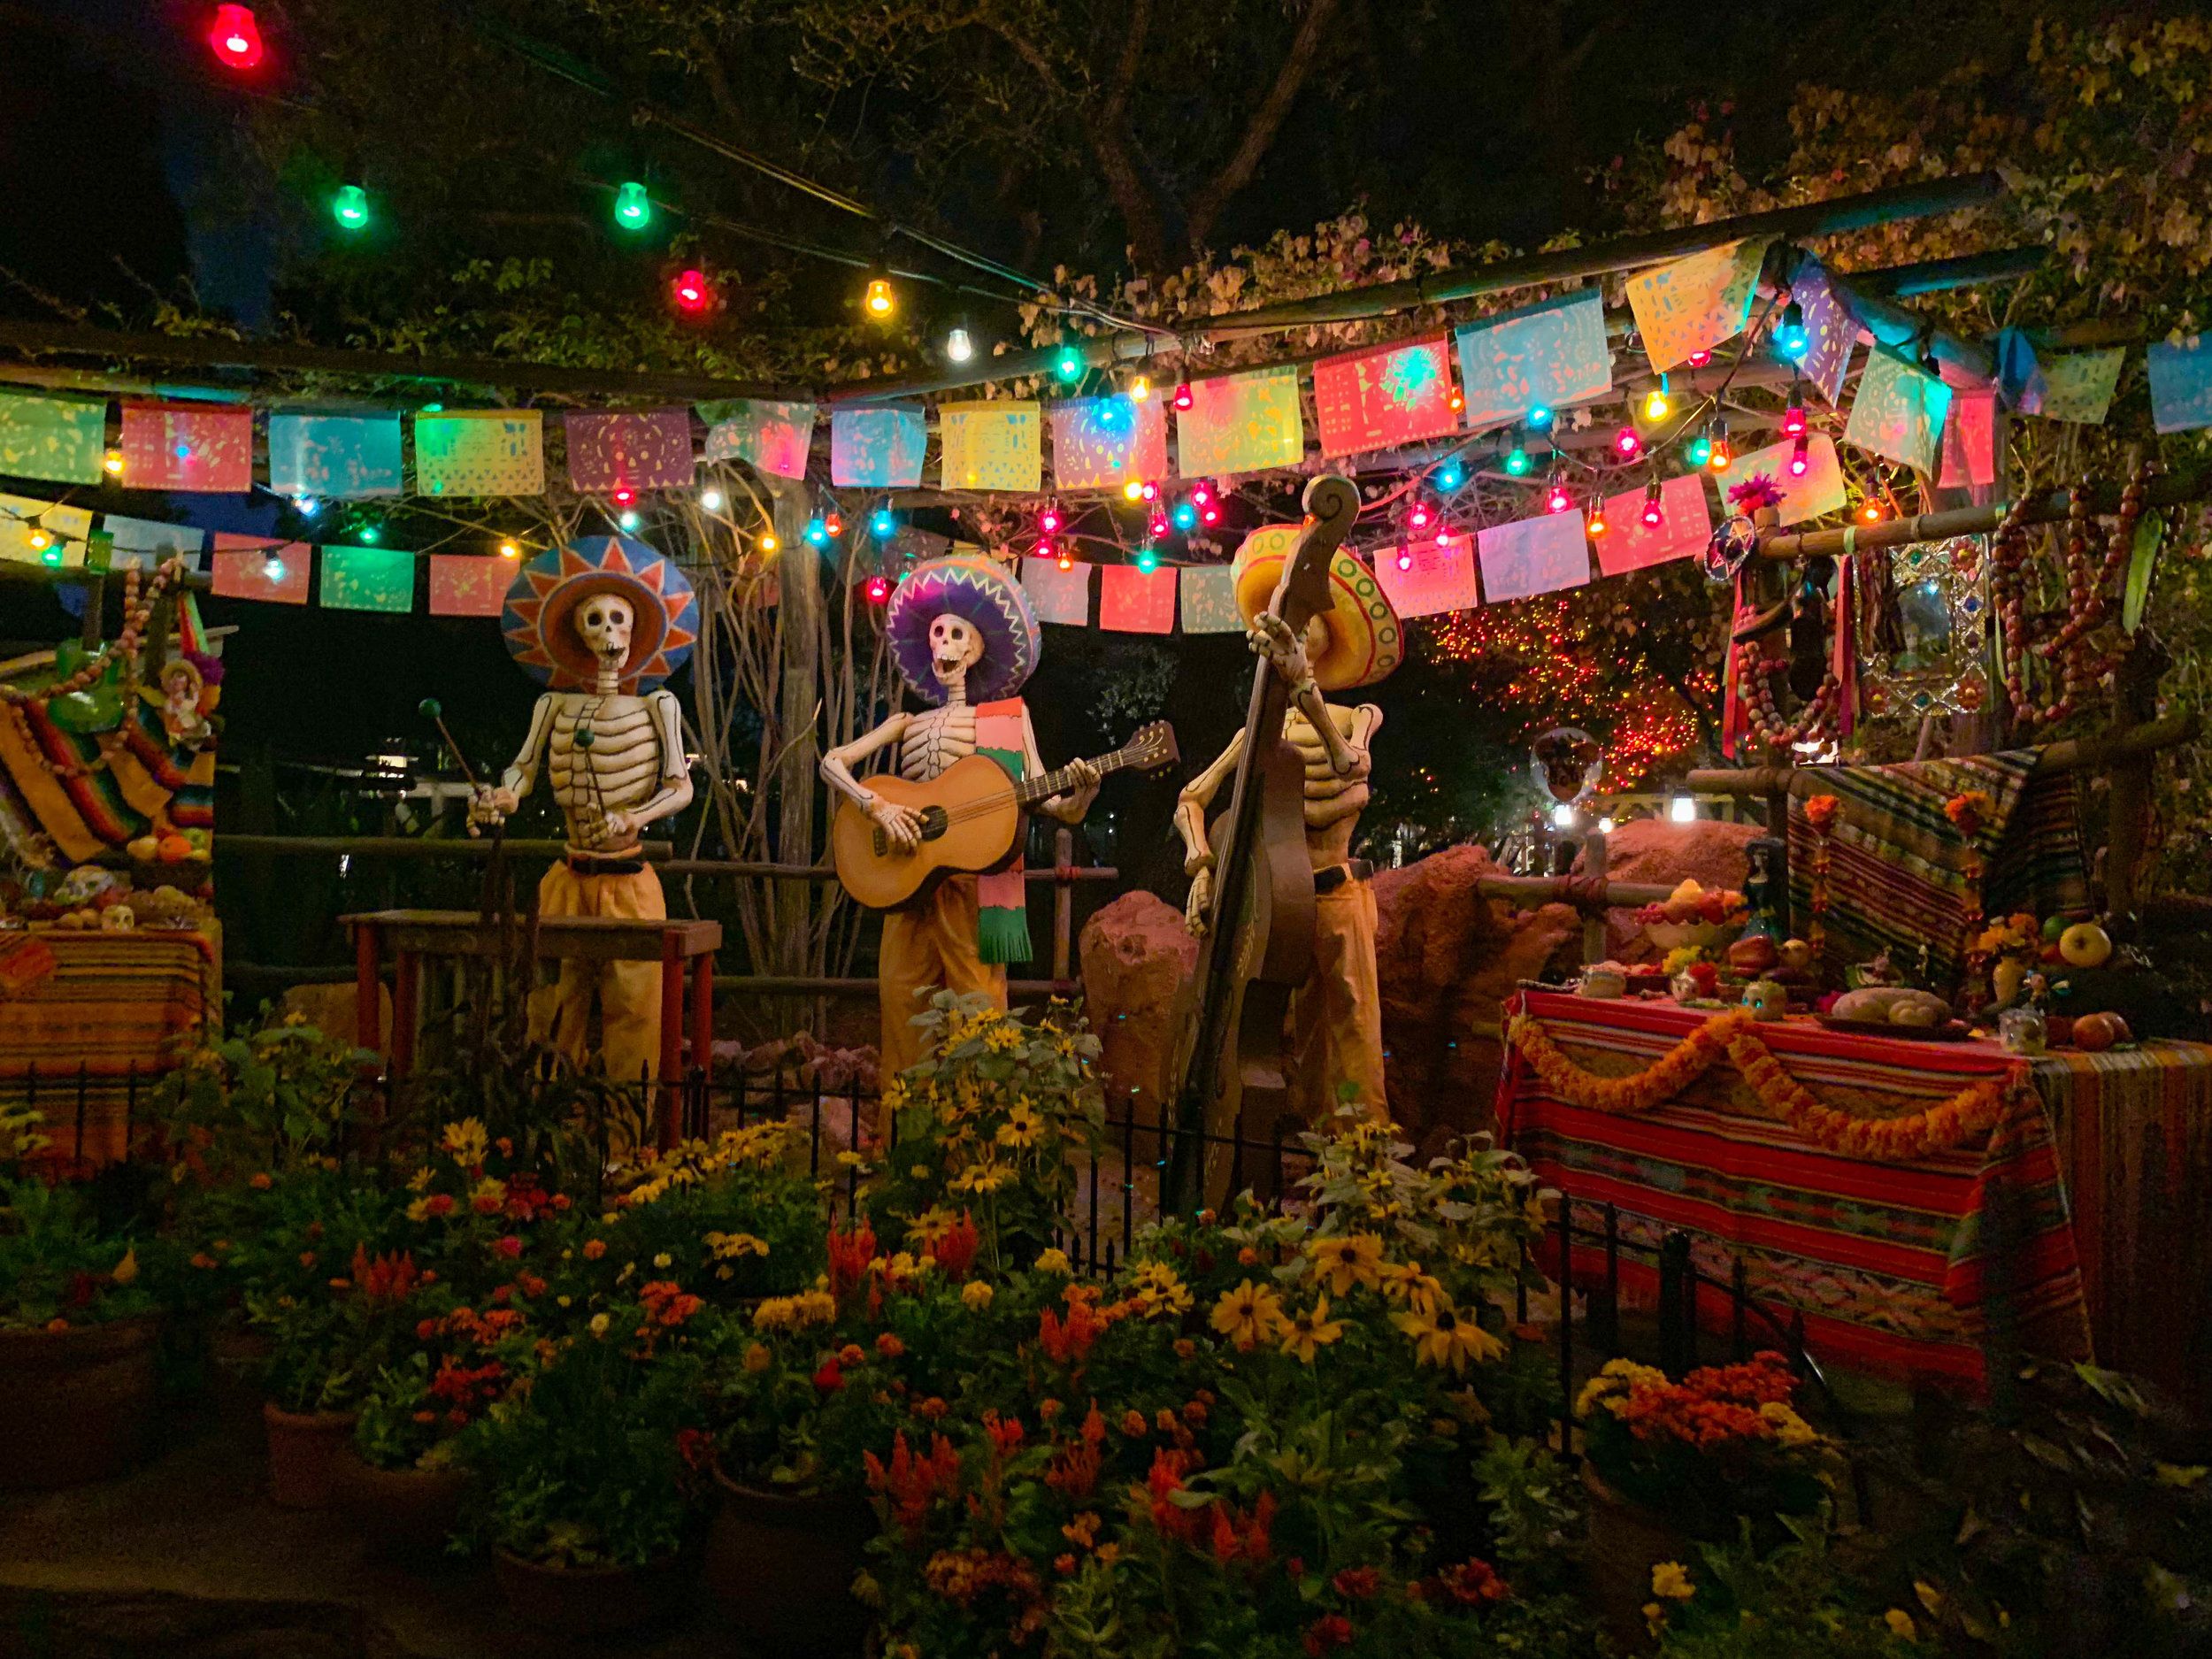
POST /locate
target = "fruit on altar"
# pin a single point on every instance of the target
(145, 849)
(2095, 1033)
(1796, 954)
(1892, 1005)
(174, 848)
(1932, 1011)
(201, 843)
(2005, 979)
(1754, 955)
(2085, 945)
(2053, 927)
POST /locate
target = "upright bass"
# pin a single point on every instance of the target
(1257, 949)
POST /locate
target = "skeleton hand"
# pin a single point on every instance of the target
(1195, 908)
(1270, 636)
(1075, 801)
(902, 823)
(490, 808)
(621, 828)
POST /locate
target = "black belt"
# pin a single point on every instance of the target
(585, 865)
(1336, 875)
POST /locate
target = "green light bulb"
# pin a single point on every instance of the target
(1517, 461)
(350, 207)
(633, 208)
(1148, 560)
(1700, 447)
(1070, 366)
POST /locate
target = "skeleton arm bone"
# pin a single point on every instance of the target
(902, 823)
(1190, 822)
(674, 794)
(495, 805)
(1271, 637)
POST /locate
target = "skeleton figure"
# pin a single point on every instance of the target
(616, 764)
(935, 945)
(1335, 1019)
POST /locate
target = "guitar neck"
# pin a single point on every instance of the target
(1029, 791)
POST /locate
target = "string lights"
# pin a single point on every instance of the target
(879, 590)
(350, 206)
(1791, 338)
(1067, 366)
(1538, 418)
(236, 38)
(1148, 559)
(1800, 456)
(883, 524)
(710, 499)
(692, 292)
(1656, 403)
(1595, 524)
(1557, 499)
(633, 207)
(1516, 462)
(1183, 397)
(1451, 474)
(880, 300)
(272, 566)
(959, 344)
(112, 463)
(1627, 444)
(510, 549)
(1654, 514)
(1156, 525)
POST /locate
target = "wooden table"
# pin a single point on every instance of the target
(414, 935)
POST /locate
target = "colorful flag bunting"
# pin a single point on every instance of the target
(60, 439)
(628, 448)
(1970, 440)
(997, 445)
(1545, 356)
(1899, 412)
(20, 517)
(344, 456)
(1100, 443)
(1831, 329)
(480, 452)
(142, 543)
(1820, 490)
(470, 584)
(187, 447)
(1534, 555)
(877, 449)
(1241, 423)
(262, 568)
(771, 437)
(1438, 576)
(1131, 601)
(1696, 303)
(1384, 396)
(1209, 600)
(1685, 524)
(368, 579)
(2075, 386)
(2181, 384)
(1055, 594)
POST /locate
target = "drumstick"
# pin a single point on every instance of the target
(434, 712)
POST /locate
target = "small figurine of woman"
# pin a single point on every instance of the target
(1766, 888)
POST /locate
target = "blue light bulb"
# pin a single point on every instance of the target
(1185, 516)
(884, 525)
(1451, 475)
(1539, 416)
(817, 533)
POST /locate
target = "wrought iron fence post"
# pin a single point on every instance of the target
(1678, 1305)
(1739, 1312)
(1566, 1325)
(1610, 1334)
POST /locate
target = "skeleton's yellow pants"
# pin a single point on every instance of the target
(930, 947)
(1336, 1017)
(629, 992)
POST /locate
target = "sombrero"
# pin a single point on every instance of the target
(971, 588)
(542, 637)
(1365, 638)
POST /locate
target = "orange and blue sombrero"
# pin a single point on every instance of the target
(542, 638)
(1365, 639)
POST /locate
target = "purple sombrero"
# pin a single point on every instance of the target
(971, 588)
(548, 589)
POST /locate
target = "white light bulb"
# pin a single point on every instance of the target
(1682, 810)
(710, 500)
(308, 505)
(628, 521)
(276, 570)
(1605, 827)
(1563, 817)
(958, 347)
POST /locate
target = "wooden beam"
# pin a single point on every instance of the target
(1967, 270)
(2168, 490)
(2073, 753)
(1628, 253)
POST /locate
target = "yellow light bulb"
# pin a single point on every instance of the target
(40, 538)
(1140, 388)
(1133, 490)
(511, 550)
(1656, 405)
(880, 301)
(113, 463)
(768, 542)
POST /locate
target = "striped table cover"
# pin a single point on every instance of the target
(2134, 1132)
(113, 1006)
(1883, 1259)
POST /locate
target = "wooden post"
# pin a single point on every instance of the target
(1063, 901)
(1594, 856)
(672, 1062)
(799, 624)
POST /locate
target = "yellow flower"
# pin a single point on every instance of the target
(1022, 1127)
(1419, 1291)
(1654, 1618)
(419, 1181)
(419, 1211)
(466, 1141)
(757, 1359)
(1670, 1581)
(1157, 1289)
(1343, 1262)
(1055, 1261)
(1445, 1336)
(1930, 1596)
(727, 1245)
(1306, 1333)
(1249, 1315)
(664, 1260)
(1789, 1428)
(126, 1270)
(1900, 1622)
(599, 1324)
(489, 1196)
(976, 1293)
(919, 1171)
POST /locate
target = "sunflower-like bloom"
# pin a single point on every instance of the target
(1446, 1335)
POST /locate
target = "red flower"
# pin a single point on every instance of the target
(1006, 1433)
(1474, 1582)
(560, 1201)
(1328, 1632)
(1820, 812)
(911, 1484)
(850, 1250)
(439, 1203)
(487, 1203)
(1068, 1342)
(695, 1446)
(510, 1247)
(955, 1251)
(889, 1346)
(829, 1379)
(1357, 1583)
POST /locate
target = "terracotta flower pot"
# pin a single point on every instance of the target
(592, 1600)
(782, 1567)
(405, 1514)
(78, 1405)
(301, 1448)
(1627, 1541)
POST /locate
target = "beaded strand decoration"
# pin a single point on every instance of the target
(2076, 664)
(1755, 686)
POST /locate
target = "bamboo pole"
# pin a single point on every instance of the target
(2167, 490)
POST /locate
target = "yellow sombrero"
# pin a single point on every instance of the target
(1365, 638)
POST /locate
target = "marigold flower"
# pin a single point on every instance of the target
(1063, 1564)
(307, 1258)
(259, 1182)
(976, 1295)
(1900, 1624)
(599, 1324)
(594, 1249)
(1055, 1261)
(1670, 1581)
(1133, 1424)
(510, 1247)
(889, 1346)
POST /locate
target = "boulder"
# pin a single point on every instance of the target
(1136, 955)
(1662, 854)
(1446, 958)
(330, 1009)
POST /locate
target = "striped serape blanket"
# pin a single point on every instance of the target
(2134, 1133)
(1899, 873)
(84, 1041)
(1884, 1260)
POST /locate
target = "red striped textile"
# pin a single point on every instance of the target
(1884, 1260)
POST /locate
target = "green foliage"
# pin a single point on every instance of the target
(57, 1267)
(1750, 1602)
(268, 1100)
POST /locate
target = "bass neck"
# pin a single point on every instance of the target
(1029, 791)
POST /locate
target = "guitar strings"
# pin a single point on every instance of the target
(975, 808)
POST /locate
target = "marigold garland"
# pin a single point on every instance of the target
(1972, 1111)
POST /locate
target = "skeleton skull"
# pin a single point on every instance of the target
(955, 646)
(604, 621)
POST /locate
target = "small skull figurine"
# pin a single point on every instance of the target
(955, 646)
(604, 621)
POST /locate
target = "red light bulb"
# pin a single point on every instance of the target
(236, 38)
(1405, 558)
(1150, 492)
(879, 590)
(1652, 517)
(1792, 421)
(1558, 501)
(693, 291)
(834, 525)
(1200, 494)
(1420, 517)
(1210, 514)
(1699, 359)
(1183, 399)
(1596, 525)
(623, 496)
(1066, 560)
(1871, 512)
(1156, 527)
(1049, 520)
(1456, 402)
(1799, 459)
(1626, 444)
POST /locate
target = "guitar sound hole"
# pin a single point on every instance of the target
(935, 822)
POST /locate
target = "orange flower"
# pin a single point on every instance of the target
(1820, 811)
(594, 1249)
(1133, 1424)
(889, 1346)
(259, 1183)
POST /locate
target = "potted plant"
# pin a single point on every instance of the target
(587, 1477)
(78, 1325)
(1671, 1463)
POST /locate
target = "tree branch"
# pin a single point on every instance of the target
(1266, 121)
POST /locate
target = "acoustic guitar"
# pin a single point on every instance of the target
(972, 820)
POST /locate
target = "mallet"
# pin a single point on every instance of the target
(432, 710)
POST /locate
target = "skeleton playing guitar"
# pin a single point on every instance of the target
(972, 820)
